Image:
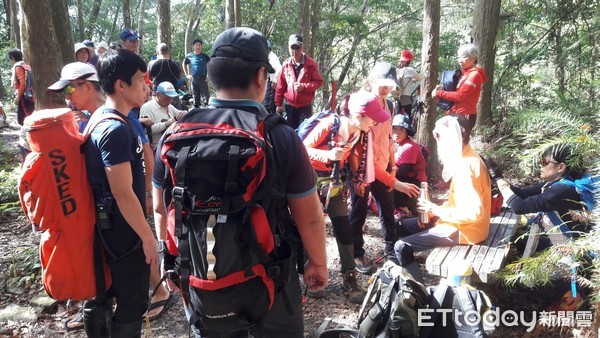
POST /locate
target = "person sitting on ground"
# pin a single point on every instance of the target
(380, 82)
(326, 151)
(465, 217)
(160, 110)
(410, 163)
(560, 204)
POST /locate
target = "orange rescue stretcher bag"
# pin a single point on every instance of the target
(57, 198)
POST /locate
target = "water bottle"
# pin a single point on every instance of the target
(424, 195)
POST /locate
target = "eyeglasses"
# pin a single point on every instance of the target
(544, 162)
(70, 89)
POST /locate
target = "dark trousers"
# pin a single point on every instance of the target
(24, 109)
(358, 215)
(269, 101)
(278, 322)
(200, 88)
(403, 200)
(295, 116)
(130, 279)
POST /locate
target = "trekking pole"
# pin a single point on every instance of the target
(379, 259)
(334, 184)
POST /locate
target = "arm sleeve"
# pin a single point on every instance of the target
(280, 89)
(471, 84)
(548, 200)
(314, 139)
(21, 80)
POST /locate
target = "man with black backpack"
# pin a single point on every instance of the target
(242, 288)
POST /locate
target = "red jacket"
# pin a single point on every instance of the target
(467, 92)
(309, 77)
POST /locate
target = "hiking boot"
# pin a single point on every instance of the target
(353, 291)
(363, 265)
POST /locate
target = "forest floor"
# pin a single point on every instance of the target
(18, 255)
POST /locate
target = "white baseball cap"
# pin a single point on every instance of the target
(74, 71)
(166, 88)
(103, 45)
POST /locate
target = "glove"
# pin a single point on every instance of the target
(493, 169)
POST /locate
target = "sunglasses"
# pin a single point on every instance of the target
(544, 162)
(70, 89)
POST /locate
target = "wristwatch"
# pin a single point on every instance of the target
(162, 246)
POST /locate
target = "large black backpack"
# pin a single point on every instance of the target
(227, 224)
(449, 81)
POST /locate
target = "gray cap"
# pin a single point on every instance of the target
(383, 74)
(245, 43)
(295, 39)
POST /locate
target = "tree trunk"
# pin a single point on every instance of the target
(238, 13)
(356, 39)
(429, 71)
(115, 18)
(62, 29)
(15, 27)
(93, 18)
(229, 14)
(486, 18)
(126, 14)
(559, 59)
(305, 23)
(163, 33)
(140, 23)
(314, 26)
(44, 58)
(80, 25)
(189, 29)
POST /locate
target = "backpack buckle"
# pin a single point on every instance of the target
(178, 193)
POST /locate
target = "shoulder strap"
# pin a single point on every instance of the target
(89, 128)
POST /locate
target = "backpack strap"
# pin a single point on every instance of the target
(440, 297)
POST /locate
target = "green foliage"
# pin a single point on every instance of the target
(24, 268)
(9, 175)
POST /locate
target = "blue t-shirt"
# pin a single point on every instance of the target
(132, 119)
(197, 63)
(112, 143)
(295, 175)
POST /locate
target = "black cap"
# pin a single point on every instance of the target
(246, 44)
(295, 39)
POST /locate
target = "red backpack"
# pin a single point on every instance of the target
(226, 222)
(57, 198)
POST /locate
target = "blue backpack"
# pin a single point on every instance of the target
(310, 123)
(449, 81)
(588, 187)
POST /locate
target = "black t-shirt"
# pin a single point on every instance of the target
(113, 142)
(164, 70)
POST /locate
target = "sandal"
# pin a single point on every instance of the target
(74, 323)
(164, 303)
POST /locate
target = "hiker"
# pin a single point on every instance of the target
(82, 52)
(328, 151)
(560, 203)
(410, 162)
(298, 81)
(130, 40)
(469, 85)
(194, 67)
(380, 82)
(161, 111)
(115, 168)
(243, 51)
(93, 57)
(465, 217)
(24, 100)
(164, 69)
(407, 75)
(269, 101)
